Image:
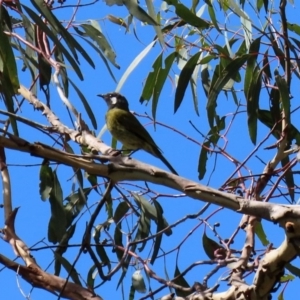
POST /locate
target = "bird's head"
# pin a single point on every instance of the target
(115, 100)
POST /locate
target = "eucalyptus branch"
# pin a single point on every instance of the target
(84, 137)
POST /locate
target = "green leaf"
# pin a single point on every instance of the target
(44, 67)
(149, 84)
(76, 201)
(275, 111)
(259, 4)
(242, 49)
(294, 270)
(149, 210)
(214, 132)
(296, 63)
(278, 52)
(63, 247)
(259, 230)
(266, 65)
(289, 178)
(69, 268)
(193, 84)
(46, 181)
(118, 241)
(77, 172)
(181, 282)
(7, 56)
(224, 52)
(267, 118)
(63, 70)
(117, 20)
(109, 205)
(212, 15)
(45, 71)
(7, 96)
(103, 256)
(293, 27)
(131, 293)
(120, 211)
(82, 34)
(135, 10)
(28, 62)
(203, 158)
(205, 80)
(143, 229)
(253, 103)
(251, 64)
(284, 96)
(297, 42)
(184, 79)
(280, 296)
(219, 81)
(205, 60)
(134, 64)
(57, 224)
(187, 15)
(194, 5)
(6, 19)
(156, 79)
(160, 80)
(210, 246)
(102, 42)
(286, 278)
(156, 18)
(85, 104)
(126, 264)
(151, 81)
(29, 56)
(266, 4)
(55, 23)
(55, 40)
(252, 81)
(100, 249)
(92, 180)
(171, 26)
(160, 226)
(91, 277)
(234, 96)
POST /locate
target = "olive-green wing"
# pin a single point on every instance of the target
(127, 119)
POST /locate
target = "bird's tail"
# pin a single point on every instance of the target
(162, 158)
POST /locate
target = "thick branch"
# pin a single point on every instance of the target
(54, 284)
(84, 137)
(125, 168)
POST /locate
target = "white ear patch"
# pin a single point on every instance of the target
(113, 100)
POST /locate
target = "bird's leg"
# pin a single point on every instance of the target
(133, 151)
(115, 152)
(125, 152)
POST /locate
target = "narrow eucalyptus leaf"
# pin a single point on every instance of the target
(184, 78)
(56, 24)
(55, 40)
(46, 181)
(102, 42)
(187, 15)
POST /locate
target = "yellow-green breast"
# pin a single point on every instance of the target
(122, 125)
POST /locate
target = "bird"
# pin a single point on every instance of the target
(127, 129)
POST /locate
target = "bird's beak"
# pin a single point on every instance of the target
(101, 95)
